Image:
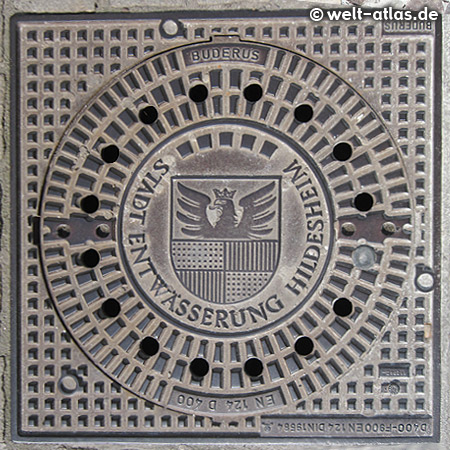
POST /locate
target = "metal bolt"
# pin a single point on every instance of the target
(63, 231)
(425, 281)
(393, 388)
(407, 228)
(388, 228)
(348, 229)
(103, 230)
(364, 257)
(170, 27)
(68, 384)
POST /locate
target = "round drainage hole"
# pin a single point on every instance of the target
(342, 151)
(253, 367)
(342, 307)
(303, 113)
(111, 307)
(110, 154)
(363, 202)
(199, 367)
(304, 345)
(199, 93)
(90, 258)
(253, 93)
(149, 346)
(89, 204)
(148, 115)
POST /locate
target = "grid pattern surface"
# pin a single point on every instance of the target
(63, 64)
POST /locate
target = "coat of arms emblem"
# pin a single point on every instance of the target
(225, 235)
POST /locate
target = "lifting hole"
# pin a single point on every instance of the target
(102, 231)
(63, 231)
(348, 229)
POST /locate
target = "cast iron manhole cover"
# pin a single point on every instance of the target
(225, 228)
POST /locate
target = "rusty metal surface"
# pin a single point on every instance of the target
(253, 257)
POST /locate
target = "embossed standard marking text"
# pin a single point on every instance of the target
(369, 427)
(249, 403)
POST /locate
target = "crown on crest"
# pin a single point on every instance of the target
(224, 193)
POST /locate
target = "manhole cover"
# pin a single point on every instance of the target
(225, 229)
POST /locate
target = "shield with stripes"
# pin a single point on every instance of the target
(225, 235)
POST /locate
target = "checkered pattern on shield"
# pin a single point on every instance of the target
(225, 246)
